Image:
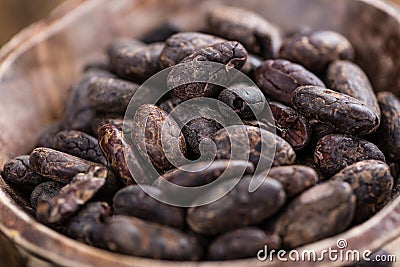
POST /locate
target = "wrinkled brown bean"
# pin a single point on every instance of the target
(321, 211)
(181, 45)
(315, 50)
(136, 63)
(18, 171)
(348, 78)
(231, 54)
(238, 244)
(294, 179)
(87, 226)
(335, 152)
(371, 182)
(45, 191)
(279, 78)
(150, 124)
(71, 197)
(78, 112)
(133, 201)
(238, 208)
(198, 129)
(110, 94)
(79, 144)
(292, 126)
(257, 139)
(112, 144)
(246, 100)
(251, 29)
(135, 237)
(202, 173)
(56, 165)
(388, 134)
(347, 114)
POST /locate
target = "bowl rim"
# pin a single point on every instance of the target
(385, 223)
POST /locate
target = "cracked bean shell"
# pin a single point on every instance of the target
(183, 44)
(18, 171)
(291, 125)
(335, 152)
(347, 114)
(232, 54)
(246, 100)
(151, 123)
(197, 130)
(79, 144)
(112, 144)
(372, 184)
(56, 165)
(71, 197)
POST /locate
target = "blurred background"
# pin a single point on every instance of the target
(17, 14)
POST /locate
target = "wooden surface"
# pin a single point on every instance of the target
(17, 14)
(37, 67)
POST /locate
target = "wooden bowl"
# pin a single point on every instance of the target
(39, 64)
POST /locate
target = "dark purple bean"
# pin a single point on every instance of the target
(18, 171)
(335, 152)
(181, 45)
(79, 144)
(326, 209)
(292, 126)
(371, 182)
(257, 34)
(347, 114)
(315, 50)
(279, 78)
(133, 201)
(238, 208)
(231, 54)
